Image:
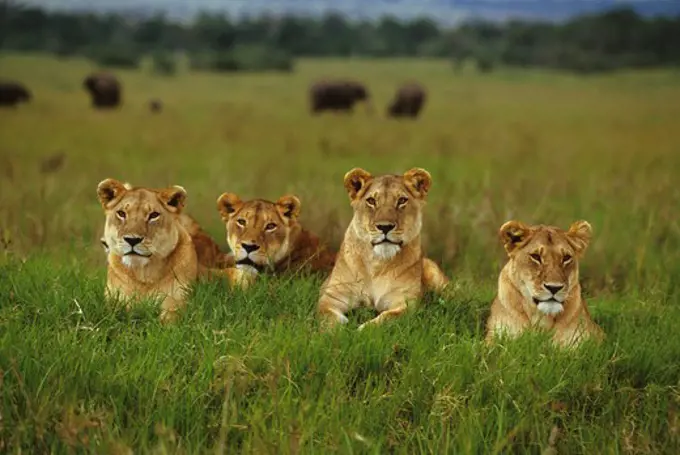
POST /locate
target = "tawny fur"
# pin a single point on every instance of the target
(163, 262)
(271, 230)
(386, 272)
(209, 254)
(539, 285)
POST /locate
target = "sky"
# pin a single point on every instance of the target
(447, 11)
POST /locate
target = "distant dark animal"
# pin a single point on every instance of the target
(13, 93)
(408, 101)
(337, 95)
(105, 90)
(53, 163)
(155, 105)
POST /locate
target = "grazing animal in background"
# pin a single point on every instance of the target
(53, 163)
(337, 95)
(13, 93)
(539, 285)
(149, 251)
(381, 263)
(408, 101)
(155, 105)
(268, 236)
(105, 90)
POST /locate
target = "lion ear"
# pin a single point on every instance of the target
(418, 181)
(109, 191)
(228, 204)
(579, 235)
(288, 206)
(514, 234)
(174, 198)
(356, 182)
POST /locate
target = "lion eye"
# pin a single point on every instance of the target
(270, 227)
(402, 200)
(154, 216)
(370, 201)
(241, 222)
(536, 257)
(120, 214)
(566, 259)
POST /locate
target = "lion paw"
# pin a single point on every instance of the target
(168, 317)
(245, 275)
(363, 326)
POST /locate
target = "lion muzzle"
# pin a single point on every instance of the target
(133, 246)
(250, 255)
(552, 304)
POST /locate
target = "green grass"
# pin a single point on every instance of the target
(249, 371)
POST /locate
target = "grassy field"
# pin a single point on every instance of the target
(249, 371)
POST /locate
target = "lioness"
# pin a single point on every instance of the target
(539, 285)
(268, 235)
(380, 263)
(150, 252)
(209, 254)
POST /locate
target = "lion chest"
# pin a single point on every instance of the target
(542, 321)
(374, 293)
(143, 282)
(383, 292)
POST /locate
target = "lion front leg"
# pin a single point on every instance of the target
(242, 277)
(572, 337)
(336, 300)
(433, 277)
(498, 328)
(333, 309)
(169, 309)
(387, 314)
(395, 304)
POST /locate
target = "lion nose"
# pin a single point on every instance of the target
(132, 241)
(250, 247)
(554, 288)
(385, 227)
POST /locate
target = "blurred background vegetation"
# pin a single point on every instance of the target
(615, 39)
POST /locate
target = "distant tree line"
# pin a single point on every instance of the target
(611, 40)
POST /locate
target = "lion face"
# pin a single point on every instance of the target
(259, 232)
(140, 223)
(544, 261)
(388, 208)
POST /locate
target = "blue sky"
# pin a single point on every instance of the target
(444, 10)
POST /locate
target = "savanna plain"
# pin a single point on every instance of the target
(249, 371)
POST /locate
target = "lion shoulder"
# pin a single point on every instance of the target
(208, 252)
(307, 251)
